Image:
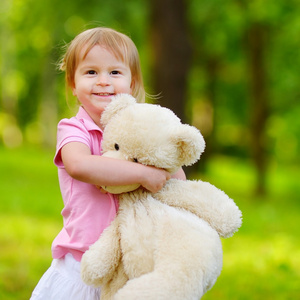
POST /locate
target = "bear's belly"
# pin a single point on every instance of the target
(139, 234)
(145, 226)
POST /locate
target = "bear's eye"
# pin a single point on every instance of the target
(117, 147)
(135, 160)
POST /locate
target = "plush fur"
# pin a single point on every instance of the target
(164, 245)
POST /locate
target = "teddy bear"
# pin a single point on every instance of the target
(165, 245)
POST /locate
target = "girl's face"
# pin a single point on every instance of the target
(98, 77)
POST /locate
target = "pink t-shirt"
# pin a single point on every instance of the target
(87, 211)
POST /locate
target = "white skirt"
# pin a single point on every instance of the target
(62, 281)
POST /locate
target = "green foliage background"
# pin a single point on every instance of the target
(262, 260)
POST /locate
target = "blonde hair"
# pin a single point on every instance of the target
(117, 43)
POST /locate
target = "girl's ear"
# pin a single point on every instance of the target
(74, 92)
(117, 104)
(73, 88)
(190, 143)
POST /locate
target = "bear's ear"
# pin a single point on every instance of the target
(190, 144)
(117, 104)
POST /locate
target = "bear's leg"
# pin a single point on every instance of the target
(99, 263)
(188, 260)
(109, 289)
(155, 286)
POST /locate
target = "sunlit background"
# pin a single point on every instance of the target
(229, 67)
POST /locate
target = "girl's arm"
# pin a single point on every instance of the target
(104, 171)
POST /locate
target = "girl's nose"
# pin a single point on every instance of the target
(103, 79)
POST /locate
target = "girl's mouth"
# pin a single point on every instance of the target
(104, 94)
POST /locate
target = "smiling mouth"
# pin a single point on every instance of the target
(104, 94)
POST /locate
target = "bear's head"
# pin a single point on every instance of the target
(148, 134)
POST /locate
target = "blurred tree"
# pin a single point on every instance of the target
(258, 82)
(217, 77)
(171, 53)
(263, 23)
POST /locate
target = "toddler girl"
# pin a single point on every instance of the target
(99, 63)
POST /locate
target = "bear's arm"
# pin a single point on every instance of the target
(204, 200)
(99, 263)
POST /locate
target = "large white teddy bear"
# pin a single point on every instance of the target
(163, 246)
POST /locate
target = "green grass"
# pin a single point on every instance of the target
(261, 261)
(30, 218)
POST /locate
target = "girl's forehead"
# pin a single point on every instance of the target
(86, 49)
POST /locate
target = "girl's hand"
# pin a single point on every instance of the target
(154, 179)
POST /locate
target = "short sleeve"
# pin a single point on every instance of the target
(70, 130)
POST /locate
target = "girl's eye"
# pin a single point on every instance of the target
(117, 147)
(115, 72)
(91, 72)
